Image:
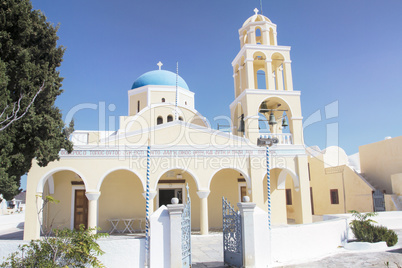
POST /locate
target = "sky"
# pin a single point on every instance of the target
(346, 58)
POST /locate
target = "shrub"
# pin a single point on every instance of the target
(364, 231)
(68, 248)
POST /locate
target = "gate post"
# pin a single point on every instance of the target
(249, 251)
(175, 211)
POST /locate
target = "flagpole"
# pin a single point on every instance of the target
(177, 82)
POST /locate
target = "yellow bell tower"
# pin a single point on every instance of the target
(265, 102)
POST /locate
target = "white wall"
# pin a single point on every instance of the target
(160, 238)
(297, 243)
(389, 219)
(122, 252)
(118, 252)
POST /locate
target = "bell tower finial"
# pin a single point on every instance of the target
(159, 65)
(256, 11)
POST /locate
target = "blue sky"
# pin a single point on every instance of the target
(344, 51)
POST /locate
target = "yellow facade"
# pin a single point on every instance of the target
(380, 165)
(350, 191)
(111, 167)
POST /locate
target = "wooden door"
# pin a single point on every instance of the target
(80, 209)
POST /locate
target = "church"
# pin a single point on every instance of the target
(102, 183)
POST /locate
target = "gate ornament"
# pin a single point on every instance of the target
(186, 232)
(232, 235)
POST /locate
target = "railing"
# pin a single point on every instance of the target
(232, 235)
(186, 232)
(283, 138)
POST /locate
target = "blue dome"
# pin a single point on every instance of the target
(159, 78)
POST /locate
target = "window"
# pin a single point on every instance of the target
(163, 99)
(288, 196)
(159, 120)
(185, 102)
(138, 106)
(334, 196)
(170, 118)
(180, 118)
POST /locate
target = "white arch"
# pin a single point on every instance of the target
(42, 181)
(281, 184)
(179, 168)
(276, 52)
(246, 177)
(262, 52)
(116, 169)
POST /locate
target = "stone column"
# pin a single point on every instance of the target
(236, 86)
(175, 211)
(251, 37)
(241, 80)
(93, 209)
(247, 210)
(269, 76)
(288, 76)
(279, 78)
(265, 36)
(250, 73)
(203, 195)
(241, 37)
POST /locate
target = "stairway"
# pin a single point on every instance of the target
(397, 199)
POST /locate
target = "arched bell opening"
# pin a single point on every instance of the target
(238, 121)
(274, 120)
(258, 36)
(260, 70)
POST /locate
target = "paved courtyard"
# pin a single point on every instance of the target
(207, 252)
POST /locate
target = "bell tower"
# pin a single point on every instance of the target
(265, 102)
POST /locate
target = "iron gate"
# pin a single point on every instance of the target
(186, 232)
(378, 199)
(232, 235)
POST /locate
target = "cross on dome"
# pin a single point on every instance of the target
(160, 65)
(256, 11)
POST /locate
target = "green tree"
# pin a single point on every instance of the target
(32, 127)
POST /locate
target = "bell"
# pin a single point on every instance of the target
(272, 119)
(284, 122)
(263, 108)
(241, 127)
